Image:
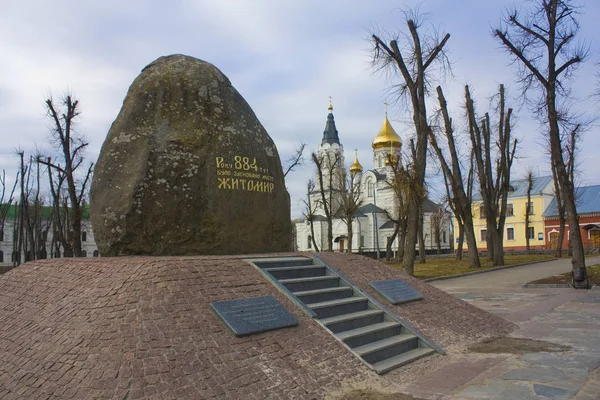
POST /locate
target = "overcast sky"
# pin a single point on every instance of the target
(285, 57)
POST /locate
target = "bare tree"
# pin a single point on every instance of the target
(494, 185)
(421, 53)
(438, 220)
(6, 201)
(529, 179)
(543, 45)
(296, 160)
(350, 202)
(406, 190)
(461, 199)
(71, 146)
(328, 185)
(310, 213)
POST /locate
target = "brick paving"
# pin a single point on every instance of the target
(141, 328)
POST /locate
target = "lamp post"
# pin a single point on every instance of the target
(375, 228)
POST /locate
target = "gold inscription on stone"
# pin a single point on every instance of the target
(244, 174)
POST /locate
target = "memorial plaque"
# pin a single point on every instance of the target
(253, 315)
(396, 291)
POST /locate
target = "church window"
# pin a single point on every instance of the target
(444, 236)
(84, 236)
(370, 189)
(95, 253)
(309, 242)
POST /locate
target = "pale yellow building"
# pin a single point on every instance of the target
(542, 193)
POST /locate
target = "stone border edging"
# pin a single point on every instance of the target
(546, 285)
(442, 278)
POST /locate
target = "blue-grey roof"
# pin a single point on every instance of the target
(370, 208)
(587, 201)
(520, 187)
(330, 134)
(388, 225)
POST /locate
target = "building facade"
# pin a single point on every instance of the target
(515, 232)
(588, 209)
(371, 226)
(8, 235)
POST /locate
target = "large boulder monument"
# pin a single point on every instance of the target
(187, 168)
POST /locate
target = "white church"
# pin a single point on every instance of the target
(370, 225)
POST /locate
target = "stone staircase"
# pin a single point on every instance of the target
(373, 333)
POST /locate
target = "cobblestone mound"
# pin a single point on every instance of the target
(141, 327)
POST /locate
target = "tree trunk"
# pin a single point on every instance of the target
(471, 242)
(402, 241)
(388, 247)
(349, 234)
(568, 190)
(459, 246)
(422, 256)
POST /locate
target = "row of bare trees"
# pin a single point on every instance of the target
(542, 43)
(48, 196)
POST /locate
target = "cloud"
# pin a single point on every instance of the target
(285, 58)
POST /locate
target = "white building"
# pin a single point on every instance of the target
(7, 235)
(371, 226)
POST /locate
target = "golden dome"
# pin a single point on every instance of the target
(355, 167)
(386, 137)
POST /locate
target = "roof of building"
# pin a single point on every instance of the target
(330, 134)
(520, 187)
(387, 136)
(430, 206)
(387, 225)
(587, 201)
(356, 167)
(370, 208)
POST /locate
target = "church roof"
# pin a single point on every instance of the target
(370, 208)
(356, 167)
(330, 134)
(387, 136)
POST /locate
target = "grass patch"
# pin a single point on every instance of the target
(437, 267)
(593, 273)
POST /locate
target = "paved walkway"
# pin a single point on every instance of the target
(511, 277)
(565, 316)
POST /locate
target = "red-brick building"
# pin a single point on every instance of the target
(588, 208)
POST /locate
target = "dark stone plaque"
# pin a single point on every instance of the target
(253, 315)
(396, 291)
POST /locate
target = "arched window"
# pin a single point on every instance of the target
(1, 256)
(83, 253)
(2, 235)
(370, 189)
(95, 253)
(84, 236)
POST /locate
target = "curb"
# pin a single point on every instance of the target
(442, 278)
(546, 285)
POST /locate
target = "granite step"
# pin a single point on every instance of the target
(389, 364)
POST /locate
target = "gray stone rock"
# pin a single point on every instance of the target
(552, 392)
(188, 169)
